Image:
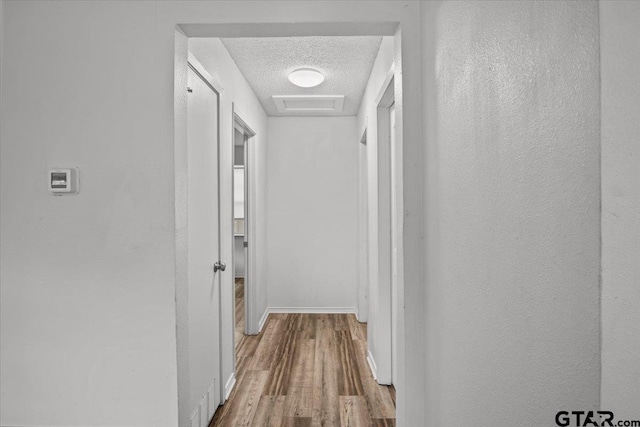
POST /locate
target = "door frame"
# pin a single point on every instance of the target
(405, 29)
(250, 198)
(362, 313)
(387, 299)
(396, 238)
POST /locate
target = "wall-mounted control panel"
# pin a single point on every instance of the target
(63, 181)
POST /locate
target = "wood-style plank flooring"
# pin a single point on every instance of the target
(239, 328)
(305, 370)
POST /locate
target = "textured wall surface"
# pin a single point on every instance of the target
(312, 212)
(620, 57)
(88, 297)
(511, 104)
(266, 62)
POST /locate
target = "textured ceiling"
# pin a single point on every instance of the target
(266, 62)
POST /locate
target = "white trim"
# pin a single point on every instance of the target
(263, 320)
(228, 388)
(385, 86)
(383, 271)
(372, 365)
(312, 310)
(241, 126)
(197, 66)
(362, 301)
(251, 203)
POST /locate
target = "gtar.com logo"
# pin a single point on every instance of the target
(591, 418)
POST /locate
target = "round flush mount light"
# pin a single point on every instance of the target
(306, 77)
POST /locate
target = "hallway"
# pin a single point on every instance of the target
(305, 370)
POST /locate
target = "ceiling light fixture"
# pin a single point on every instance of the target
(306, 77)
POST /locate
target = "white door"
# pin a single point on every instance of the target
(394, 244)
(203, 248)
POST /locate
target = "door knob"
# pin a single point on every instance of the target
(219, 266)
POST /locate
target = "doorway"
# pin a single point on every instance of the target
(389, 229)
(246, 222)
(243, 228)
(239, 225)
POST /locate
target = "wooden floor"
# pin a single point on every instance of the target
(239, 328)
(305, 370)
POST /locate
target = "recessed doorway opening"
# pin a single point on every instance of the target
(243, 229)
(371, 156)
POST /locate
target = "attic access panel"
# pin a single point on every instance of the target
(309, 103)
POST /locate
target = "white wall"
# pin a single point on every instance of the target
(620, 58)
(1, 44)
(237, 94)
(312, 212)
(98, 321)
(367, 121)
(88, 297)
(511, 133)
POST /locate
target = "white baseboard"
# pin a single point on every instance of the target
(263, 320)
(372, 365)
(361, 318)
(228, 388)
(312, 310)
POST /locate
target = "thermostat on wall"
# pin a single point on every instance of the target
(63, 181)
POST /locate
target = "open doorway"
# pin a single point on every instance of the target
(239, 256)
(389, 201)
(243, 227)
(312, 212)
